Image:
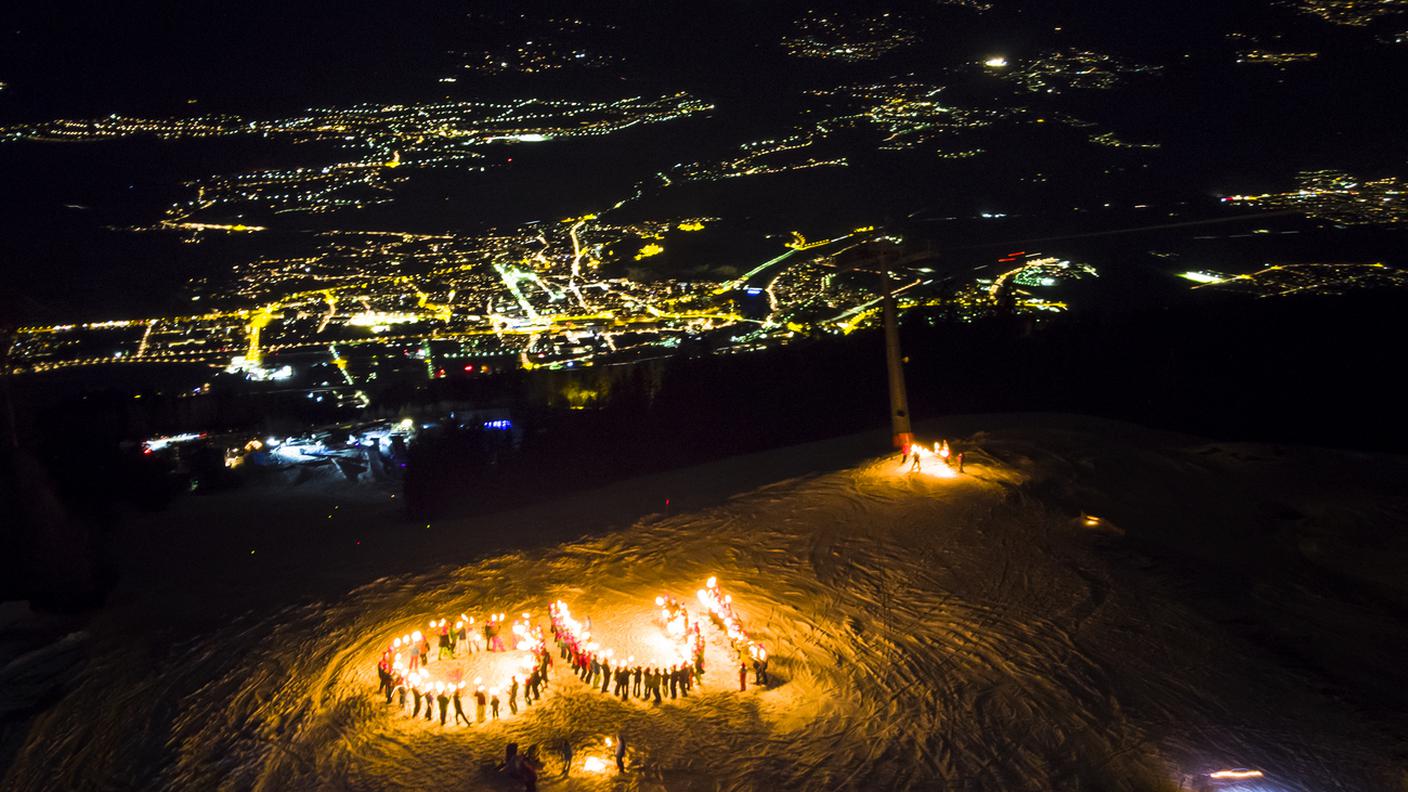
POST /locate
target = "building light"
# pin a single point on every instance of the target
(1201, 277)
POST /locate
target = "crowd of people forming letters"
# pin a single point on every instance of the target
(406, 680)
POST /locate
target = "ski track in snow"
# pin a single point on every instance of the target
(925, 633)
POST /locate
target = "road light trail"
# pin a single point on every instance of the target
(331, 300)
(256, 326)
(142, 347)
(510, 280)
(577, 249)
(735, 283)
(865, 307)
(341, 363)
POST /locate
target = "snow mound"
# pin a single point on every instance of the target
(925, 632)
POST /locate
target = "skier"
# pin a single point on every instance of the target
(415, 713)
(446, 651)
(606, 675)
(401, 691)
(480, 701)
(513, 696)
(494, 703)
(656, 683)
(443, 700)
(620, 754)
(459, 708)
(635, 684)
(960, 461)
(429, 702)
(904, 453)
(914, 468)
(674, 681)
(743, 672)
(424, 650)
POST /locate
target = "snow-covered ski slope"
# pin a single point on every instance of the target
(1232, 605)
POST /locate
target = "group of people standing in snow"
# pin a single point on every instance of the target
(401, 670)
(625, 678)
(403, 678)
(914, 451)
(720, 607)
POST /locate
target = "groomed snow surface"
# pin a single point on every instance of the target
(1227, 606)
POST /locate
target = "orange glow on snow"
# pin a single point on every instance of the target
(594, 764)
(931, 463)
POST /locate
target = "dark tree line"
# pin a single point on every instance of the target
(1310, 370)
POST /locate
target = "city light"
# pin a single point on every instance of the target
(1202, 277)
(1234, 775)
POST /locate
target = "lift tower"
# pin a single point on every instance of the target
(901, 432)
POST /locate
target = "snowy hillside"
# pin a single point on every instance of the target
(1091, 606)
